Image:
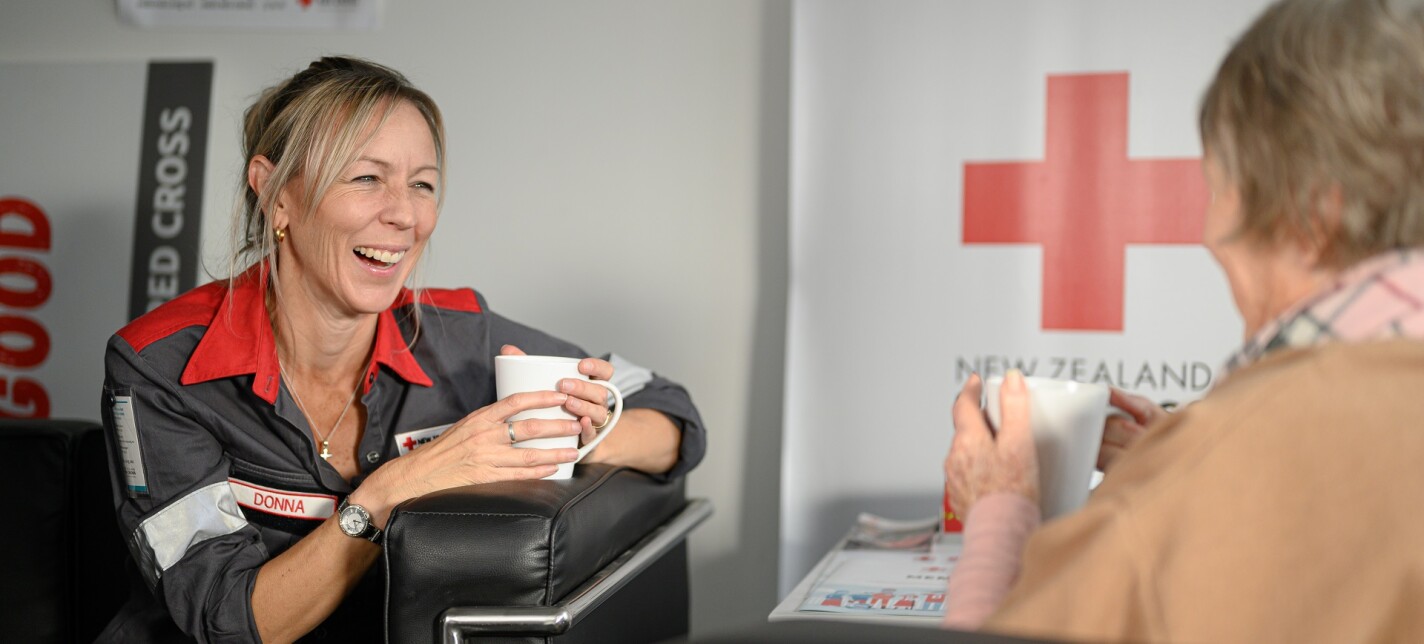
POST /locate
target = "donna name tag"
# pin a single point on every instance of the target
(283, 503)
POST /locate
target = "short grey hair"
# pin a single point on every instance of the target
(1321, 98)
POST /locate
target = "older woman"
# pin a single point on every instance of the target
(247, 413)
(1284, 506)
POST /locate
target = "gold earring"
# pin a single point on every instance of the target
(280, 234)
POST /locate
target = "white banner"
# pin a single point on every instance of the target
(978, 186)
(253, 14)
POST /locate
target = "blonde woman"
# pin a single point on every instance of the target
(1284, 506)
(249, 414)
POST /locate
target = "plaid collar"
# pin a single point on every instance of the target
(1379, 298)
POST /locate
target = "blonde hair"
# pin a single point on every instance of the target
(311, 127)
(1318, 100)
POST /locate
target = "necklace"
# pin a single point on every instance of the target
(324, 438)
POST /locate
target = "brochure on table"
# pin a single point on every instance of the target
(883, 570)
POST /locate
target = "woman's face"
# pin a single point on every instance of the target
(354, 253)
(1265, 280)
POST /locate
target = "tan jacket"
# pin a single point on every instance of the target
(1286, 506)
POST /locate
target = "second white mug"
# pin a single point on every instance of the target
(1067, 422)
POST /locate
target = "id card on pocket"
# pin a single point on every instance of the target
(126, 435)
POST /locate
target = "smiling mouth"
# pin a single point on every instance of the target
(377, 257)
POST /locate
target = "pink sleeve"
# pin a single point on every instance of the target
(995, 533)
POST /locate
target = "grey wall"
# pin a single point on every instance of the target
(618, 176)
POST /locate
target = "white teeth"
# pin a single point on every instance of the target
(381, 255)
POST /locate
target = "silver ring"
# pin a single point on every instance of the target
(509, 427)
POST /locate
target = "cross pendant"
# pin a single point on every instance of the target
(325, 450)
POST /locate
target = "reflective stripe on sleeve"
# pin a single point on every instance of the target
(161, 540)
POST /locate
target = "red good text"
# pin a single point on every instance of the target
(25, 285)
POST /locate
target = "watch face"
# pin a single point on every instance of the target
(353, 521)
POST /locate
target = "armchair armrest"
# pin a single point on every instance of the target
(456, 623)
(525, 553)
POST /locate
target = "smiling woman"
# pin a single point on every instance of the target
(352, 253)
(270, 421)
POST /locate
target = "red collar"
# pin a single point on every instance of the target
(239, 341)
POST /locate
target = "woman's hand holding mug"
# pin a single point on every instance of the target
(515, 372)
(587, 400)
(475, 449)
(982, 462)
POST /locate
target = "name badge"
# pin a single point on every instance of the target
(407, 441)
(126, 435)
(293, 505)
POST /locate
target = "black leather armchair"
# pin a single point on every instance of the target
(600, 557)
(64, 571)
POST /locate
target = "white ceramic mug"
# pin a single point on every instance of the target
(1066, 418)
(516, 374)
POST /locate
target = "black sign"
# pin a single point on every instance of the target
(168, 215)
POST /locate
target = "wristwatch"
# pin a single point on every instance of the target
(355, 521)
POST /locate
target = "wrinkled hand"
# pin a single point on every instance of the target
(586, 400)
(1120, 432)
(981, 463)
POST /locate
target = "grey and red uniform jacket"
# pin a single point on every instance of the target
(215, 468)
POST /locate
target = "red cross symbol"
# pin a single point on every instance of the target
(408, 443)
(1085, 202)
